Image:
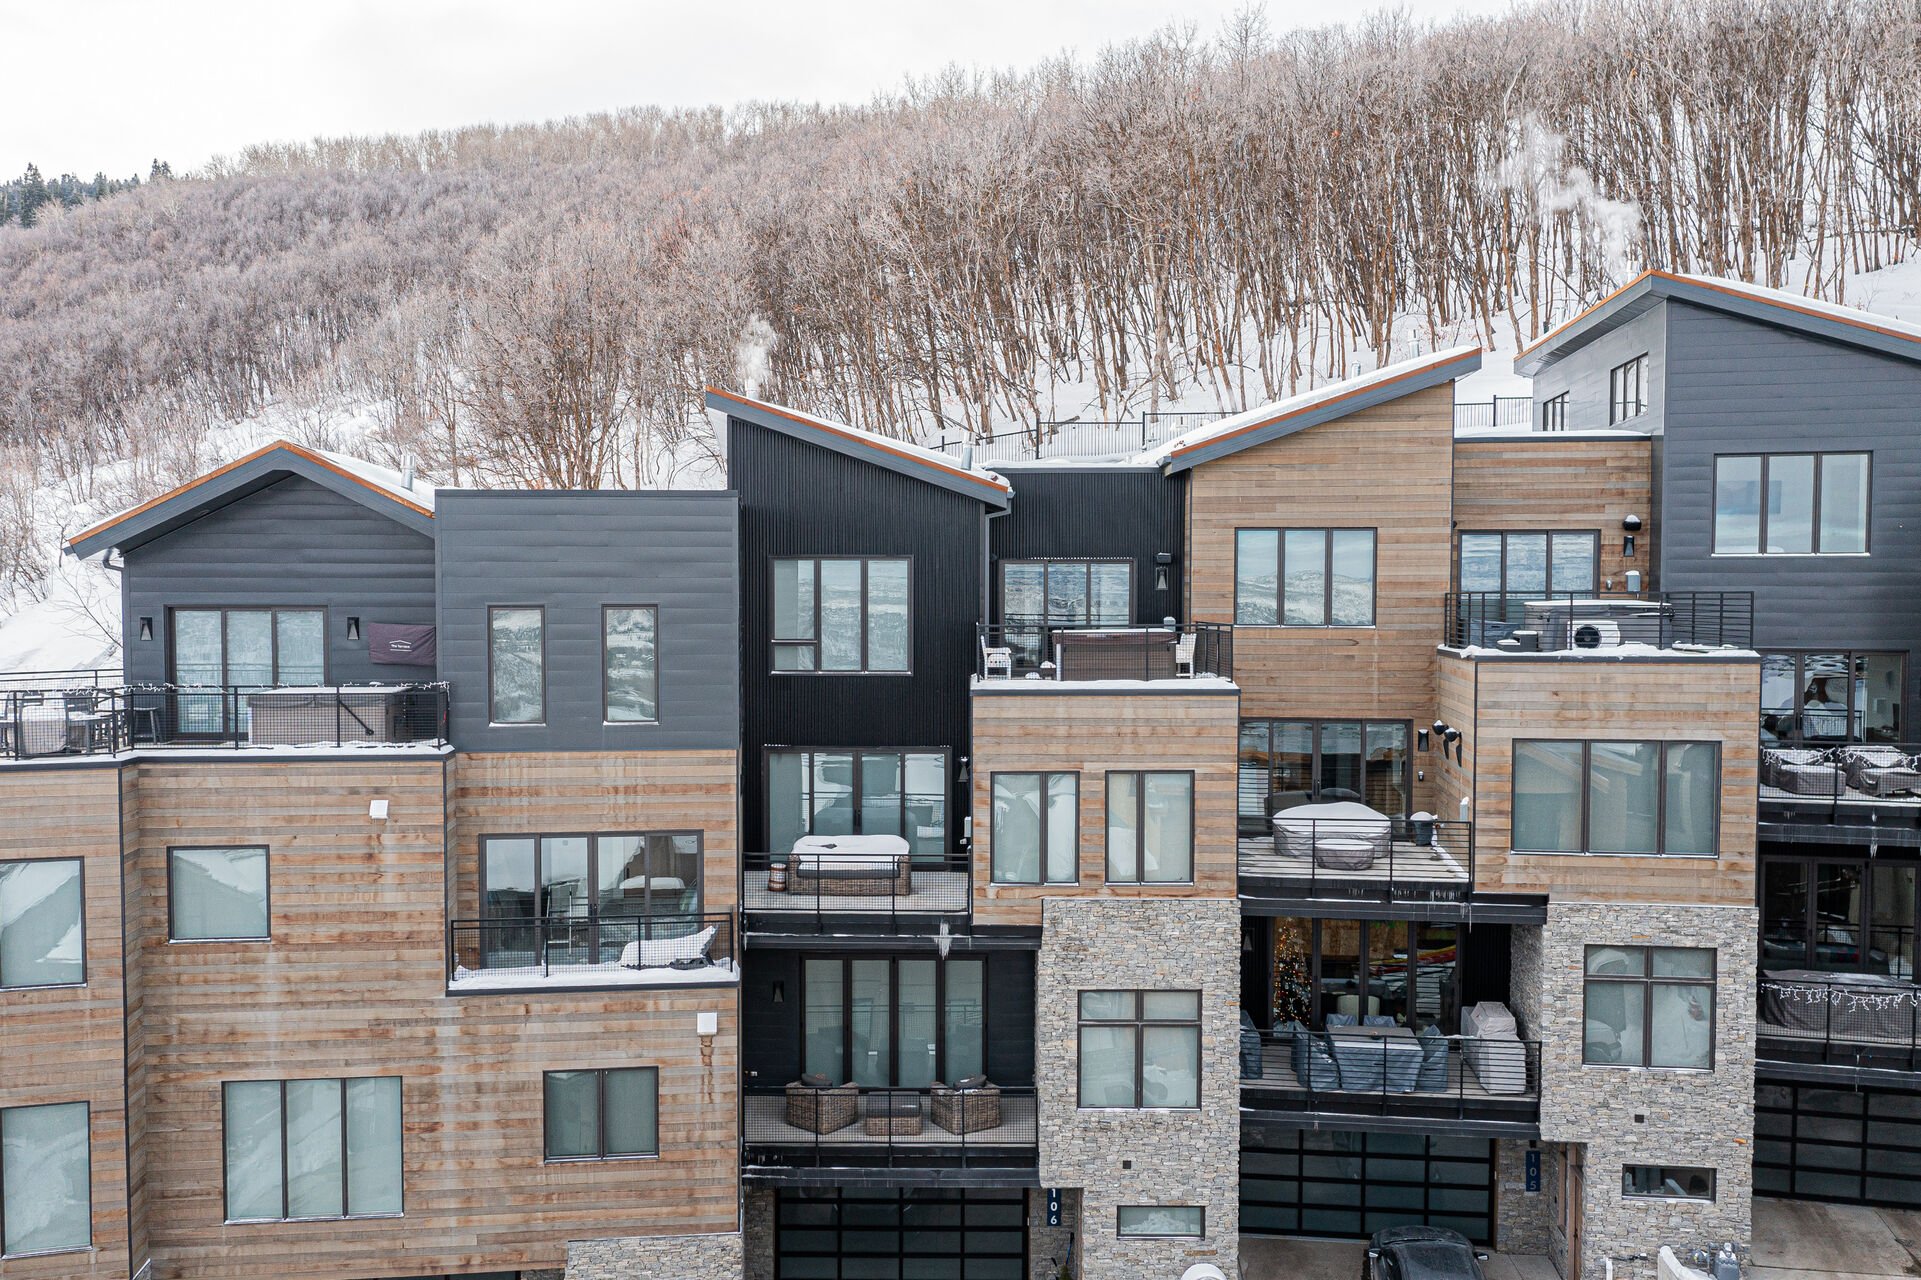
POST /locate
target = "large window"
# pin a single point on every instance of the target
(867, 793)
(1666, 1182)
(1526, 564)
(1304, 577)
(46, 1192)
(1628, 389)
(602, 1115)
(43, 935)
(1649, 1007)
(1360, 968)
(1150, 828)
(1284, 763)
(1832, 697)
(841, 615)
(249, 647)
(900, 1022)
(1846, 916)
(312, 1148)
(1786, 504)
(1036, 832)
(1039, 595)
(1140, 1049)
(630, 666)
(613, 874)
(218, 893)
(516, 664)
(1616, 797)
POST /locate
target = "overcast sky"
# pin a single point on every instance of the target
(110, 84)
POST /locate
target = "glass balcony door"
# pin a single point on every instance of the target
(893, 1022)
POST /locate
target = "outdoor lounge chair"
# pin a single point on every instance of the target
(1802, 771)
(1879, 771)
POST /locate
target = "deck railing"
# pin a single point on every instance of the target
(1378, 1071)
(1019, 647)
(850, 1125)
(1562, 621)
(1387, 858)
(1497, 411)
(559, 947)
(898, 890)
(1075, 437)
(1859, 1022)
(1840, 782)
(102, 719)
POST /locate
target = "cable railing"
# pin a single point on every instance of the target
(84, 720)
(823, 894)
(1018, 648)
(1856, 1020)
(829, 1126)
(1572, 621)
(1391, 858)
(1384, 1069)
(592, 949)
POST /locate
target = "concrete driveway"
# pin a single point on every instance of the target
(1800, 1240)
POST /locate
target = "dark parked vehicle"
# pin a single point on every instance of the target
(1421, 1253)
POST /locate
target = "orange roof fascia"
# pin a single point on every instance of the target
(1565, 325)
(822, 425)
(217, 472)
(1318, 404)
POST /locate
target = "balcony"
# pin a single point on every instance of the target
(1034, 654)
(590, 952)
(1866, 784)
(1388, 1071)
(890, 893)
(1364, 857)
(1598, 626)
(1847, 1020)
(851, 1127)
(83, 714)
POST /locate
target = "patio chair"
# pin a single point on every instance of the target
(968, 1106)
(997, 659)
(822, 1108)
(1184, 656)
(1880, 771)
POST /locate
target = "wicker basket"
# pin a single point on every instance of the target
(965, 1112)
(822, 1110)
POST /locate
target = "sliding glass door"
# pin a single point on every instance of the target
(1845, 916)
(842, 793)
(1286, 763)
(893, 1022)
(237, 650)
(1363, 969)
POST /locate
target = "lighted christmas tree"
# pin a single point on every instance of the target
(1293, 992)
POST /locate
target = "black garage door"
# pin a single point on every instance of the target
(900, 1235)
(1853, 1147)
(1316, 1183)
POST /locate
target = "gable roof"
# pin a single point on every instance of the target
(903, 456)
(378, 488)
(1311, 408)
(1734, 297)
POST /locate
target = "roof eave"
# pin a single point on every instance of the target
(1551, 345)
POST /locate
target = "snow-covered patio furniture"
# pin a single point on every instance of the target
(1802, 771)
(1342, 836)
(1493, 1049)
(1879, 771)
(851, 866)
(659, 952)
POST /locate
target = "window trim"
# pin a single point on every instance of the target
(1140, 1021)
(606, 686)
(346, 1162)
(593, 839)
(1646, 981)
(1199, 1234)
(1140, 826)
(1460, 560)
(1587, 766)
(81, 865)
(86, 1129)
(273, 611)
(600, 1075)
(1327, 578)
(776, 642)
(1714, 1184)
(173, 934)
(493, 720)
(1617, 385)
(994, 833)
(1760, 551)
(857, 753)
(941, 1039)
(1046, 564)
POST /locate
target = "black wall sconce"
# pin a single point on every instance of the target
(1630, 525)
(1448, 734)
(146, 628)
(353, 628)
(780, 992)
(1162, 560)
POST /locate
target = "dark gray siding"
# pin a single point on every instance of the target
(293, 543)
(572, 553)
(1583, 374)
(798, 499)
(1115, 514)
(1738, 386)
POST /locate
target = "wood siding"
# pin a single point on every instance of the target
(1386, 468)
(1683, 700)
(1546, 483)
(1092, 734)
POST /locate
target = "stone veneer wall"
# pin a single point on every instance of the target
(1048, 1247)
(1628, 1116)
(1124, 1157)
(713, 1256)
(758, 1227)
(1520, 1219)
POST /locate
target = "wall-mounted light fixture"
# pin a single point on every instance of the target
(1452, 738)
(1630, 525)
(353, 628)
(780, 992)
(146, 628)
(1162, 560)
(706, 1024)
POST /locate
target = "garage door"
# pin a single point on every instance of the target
(1845, 1146)
(1317, 1183)
(900, 1235)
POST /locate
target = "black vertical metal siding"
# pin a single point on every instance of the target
(797, 499)
(1740, 386)
(1131, 513)
(291, 544)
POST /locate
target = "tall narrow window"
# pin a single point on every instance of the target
(43, 936)
(323, 1148)
(1791, 504)
(1036, 828)
(1628, 389)
(1150, 828)
(850, 616)
(46, 1191)
(602, 1115)
(629, 664)
(1304, 577)
(217, 893)
(516, 665)
(1554, 413)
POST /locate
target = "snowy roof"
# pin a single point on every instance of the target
(1323, 404)
(903, 456)
(380, 488)
(1736, 297)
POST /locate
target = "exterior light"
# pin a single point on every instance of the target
(146, 628)
(353, 628)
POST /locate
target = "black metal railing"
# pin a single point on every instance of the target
(823, 893)
(1388, 858)
(1563, 621)
(846, 1125)
(66, 678)
(1835, 782)
(1018, 648)
(491, 953)
(1498, 411)
(1382, 1070)
(1075, 437)
(1857, 1020)
(100, 719)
